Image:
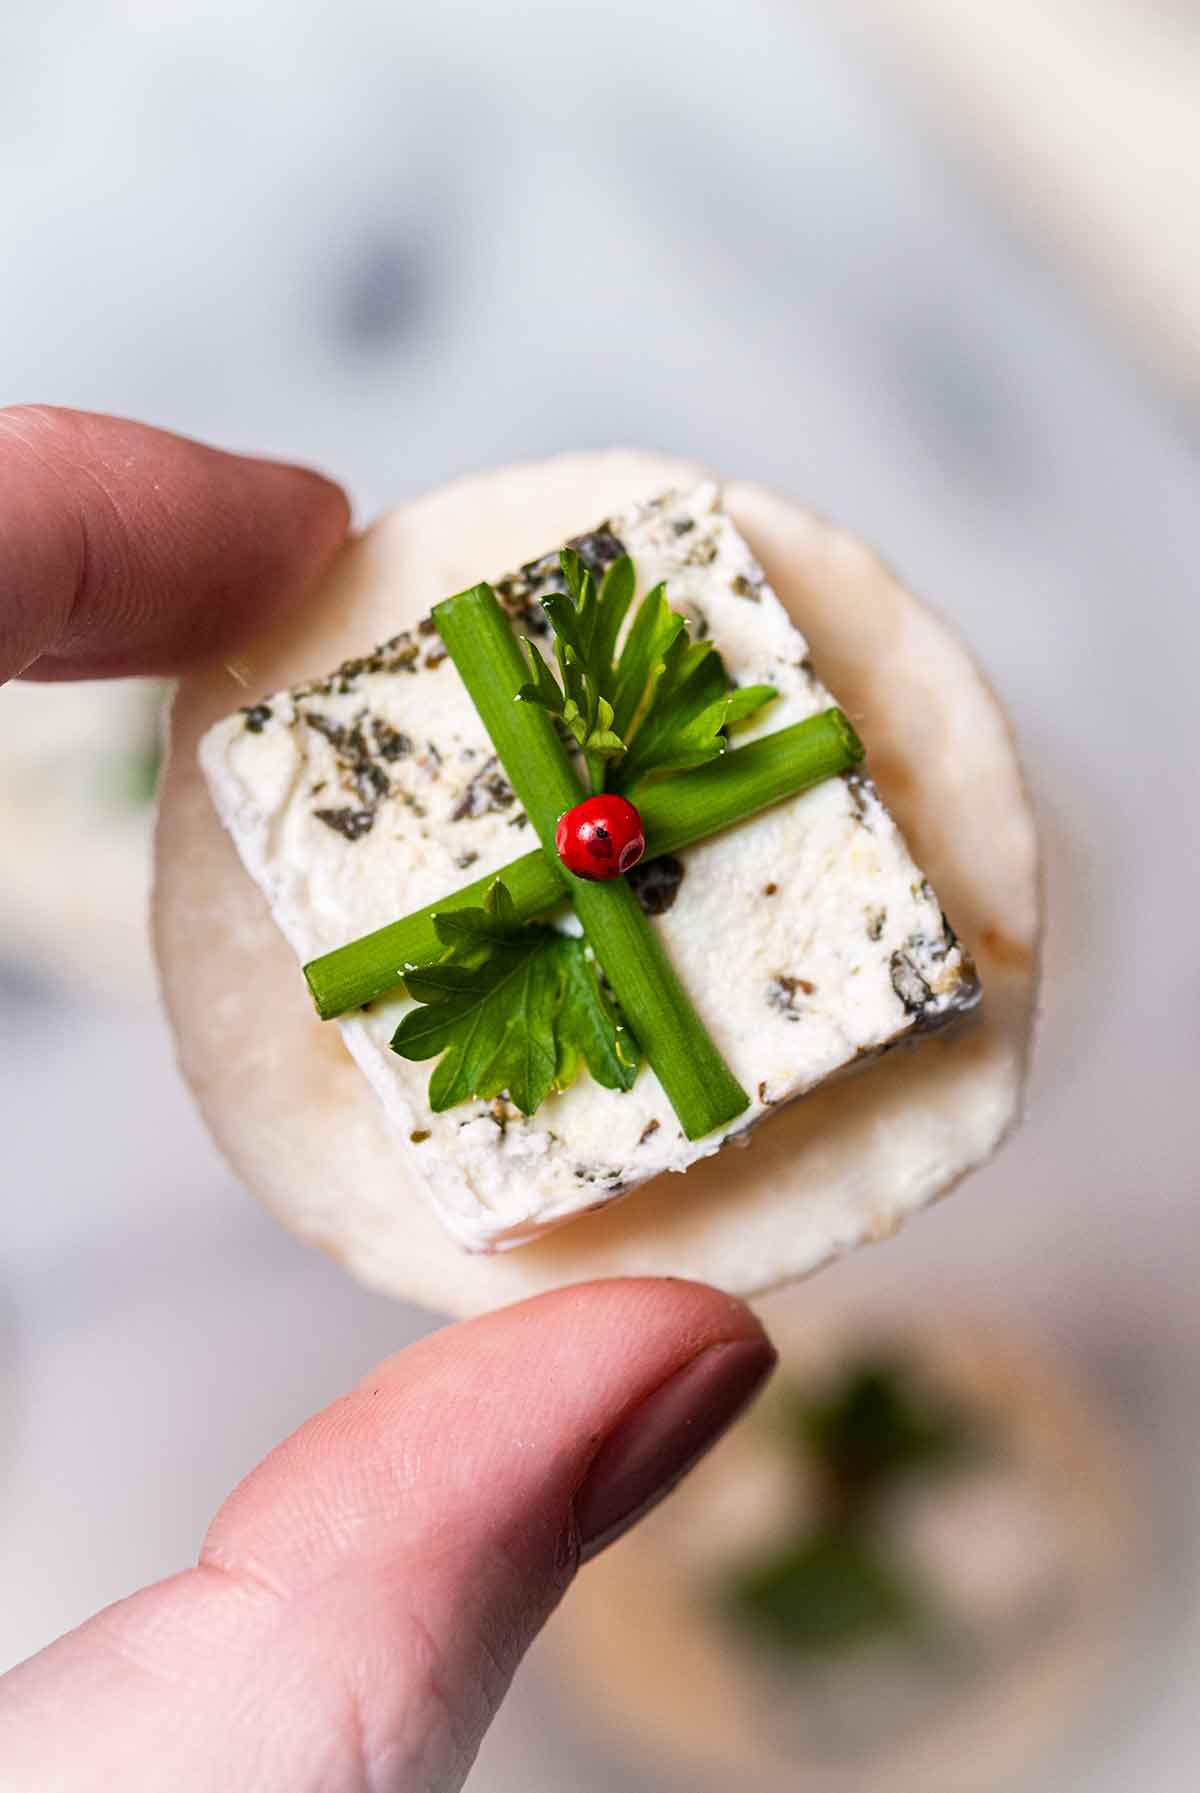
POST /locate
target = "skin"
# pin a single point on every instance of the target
(358, 1609)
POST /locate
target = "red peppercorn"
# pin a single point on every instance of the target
(600, 838)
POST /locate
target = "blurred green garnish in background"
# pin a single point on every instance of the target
(825, 1594)
(829, 1586)
(141, 774)
(876, 1429)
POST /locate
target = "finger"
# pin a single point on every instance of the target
(363, 1598)
(127, 550)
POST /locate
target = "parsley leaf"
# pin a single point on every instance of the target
(651, 634)
(589, 1024)
(511, 1008)
(663, 704)
(690, 705)
(586, 624)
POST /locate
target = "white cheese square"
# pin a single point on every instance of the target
(806, 937)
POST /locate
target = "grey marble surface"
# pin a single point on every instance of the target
(405, 242)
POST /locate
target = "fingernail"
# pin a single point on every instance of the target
(653, 1449)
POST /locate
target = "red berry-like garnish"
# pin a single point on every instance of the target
(600, 838)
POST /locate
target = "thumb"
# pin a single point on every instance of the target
(125, 549)
(363, 1599)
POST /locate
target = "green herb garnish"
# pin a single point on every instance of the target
(830, 1584)
(874, 1432)
(821, 1596)
(662, 705)
(586, 623)
(699, 1085)
(142, 769)
(676, 813)
(524, 1015)
(512, 1008)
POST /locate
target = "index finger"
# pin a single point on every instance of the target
(125, 549)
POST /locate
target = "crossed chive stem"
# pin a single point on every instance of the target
(683, 809)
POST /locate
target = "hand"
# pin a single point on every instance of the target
(362, 1600)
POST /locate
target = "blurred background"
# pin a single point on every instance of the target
(932, 266)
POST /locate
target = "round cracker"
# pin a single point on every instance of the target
(848, 1163)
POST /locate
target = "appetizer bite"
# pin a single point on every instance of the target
(911, 1567)
(76, 809)
(587, 869)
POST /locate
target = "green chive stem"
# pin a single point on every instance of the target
(676, 813)
(699, 1084)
